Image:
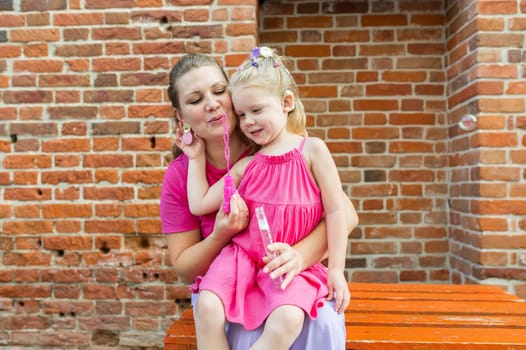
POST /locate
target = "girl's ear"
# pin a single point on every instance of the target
(288, 101)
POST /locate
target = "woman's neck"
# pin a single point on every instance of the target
(215, 154)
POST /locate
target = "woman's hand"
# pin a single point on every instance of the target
(237, 220)
(286, 262)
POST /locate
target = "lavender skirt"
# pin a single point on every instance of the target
(325, 332)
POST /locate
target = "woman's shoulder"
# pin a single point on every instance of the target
(176, 169)
(178, 164)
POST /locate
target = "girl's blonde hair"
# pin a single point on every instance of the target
(266, 69)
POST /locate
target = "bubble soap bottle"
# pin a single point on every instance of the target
(266, 238)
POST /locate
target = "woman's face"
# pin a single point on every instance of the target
(203, 98)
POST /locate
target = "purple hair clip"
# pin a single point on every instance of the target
(255, 53)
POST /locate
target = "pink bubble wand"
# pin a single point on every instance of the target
(230, 187)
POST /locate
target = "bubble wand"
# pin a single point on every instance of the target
(230, 187)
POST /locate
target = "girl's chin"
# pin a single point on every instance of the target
(255, 138)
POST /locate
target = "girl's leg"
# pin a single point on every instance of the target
(210, 322)
(282, 327)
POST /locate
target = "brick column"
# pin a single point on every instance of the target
(487, 194)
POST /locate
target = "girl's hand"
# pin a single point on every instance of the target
(237, 220)
(338, 290)
(194, 150)
(287, 262)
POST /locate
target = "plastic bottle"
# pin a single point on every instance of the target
(229, 190)
(266, 237)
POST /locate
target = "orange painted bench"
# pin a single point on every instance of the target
(415, 317)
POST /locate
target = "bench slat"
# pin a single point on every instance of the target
(374, 295)
(438, 306)
(427, 320)
(430, 288)
(428, 346)
(439, 335)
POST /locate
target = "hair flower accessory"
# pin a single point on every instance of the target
(255, 53)
(255, 57)
(263, 51)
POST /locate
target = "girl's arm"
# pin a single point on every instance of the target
(201, 201)
(202, 198)
(326, 175)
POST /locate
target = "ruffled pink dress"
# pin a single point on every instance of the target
(283, 185)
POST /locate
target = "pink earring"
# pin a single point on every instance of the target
(187, 135)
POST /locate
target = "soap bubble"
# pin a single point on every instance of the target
(468, 122)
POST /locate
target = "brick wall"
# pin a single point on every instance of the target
(485, 70)
(85, 134)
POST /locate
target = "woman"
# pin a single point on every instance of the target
(198, 92)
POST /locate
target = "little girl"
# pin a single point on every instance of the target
(294, 178)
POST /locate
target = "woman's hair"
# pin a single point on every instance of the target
(266, 69)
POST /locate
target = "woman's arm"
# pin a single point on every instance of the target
(191, 255)
(310, 250)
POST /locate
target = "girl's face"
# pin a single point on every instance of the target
(203, 98)
(262, 116)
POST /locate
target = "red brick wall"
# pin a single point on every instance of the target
(485, 69)
(85, 134)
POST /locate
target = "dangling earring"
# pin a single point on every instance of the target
(187, 135)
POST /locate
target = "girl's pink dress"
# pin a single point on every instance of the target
(283, 185)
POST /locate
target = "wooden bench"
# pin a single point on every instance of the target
(415, 316)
